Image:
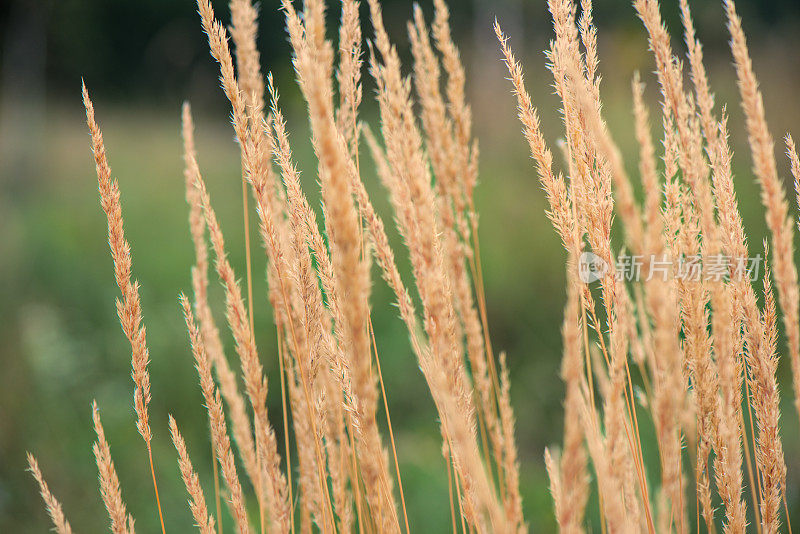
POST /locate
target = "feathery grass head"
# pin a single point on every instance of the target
(670, 349)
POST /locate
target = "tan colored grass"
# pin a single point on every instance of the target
(697, 342)
(110, 491)
(203, 520)
(216, 420)
(772, 194)
(242, 430)
(129, 308)
(678, 356)
(54, 509)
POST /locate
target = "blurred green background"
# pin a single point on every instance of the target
(60, 343)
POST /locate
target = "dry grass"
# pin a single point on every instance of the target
(684, 352)
(345, 476)
(698, 342)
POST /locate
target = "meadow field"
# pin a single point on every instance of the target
(61, 343)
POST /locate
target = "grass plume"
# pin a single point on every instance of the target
(669, 335)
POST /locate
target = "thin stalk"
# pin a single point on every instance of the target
(477, 277)
(475, 262)
(786, 509)
(155, 487)
(680, 496)
(485, 443)
(450, 491)
(634, 449)
(216, 489)
(589, 373)
(249, 267)
(281, 356)
(632, 408)
(697, 493)
(590, 376)
(753, 437)
(389, 423)
(458, 493)
(749, 461)
(639, 474)
(354, 478)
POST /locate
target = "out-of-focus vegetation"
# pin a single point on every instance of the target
(60, 345)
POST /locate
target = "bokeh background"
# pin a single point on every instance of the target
(60, 344)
